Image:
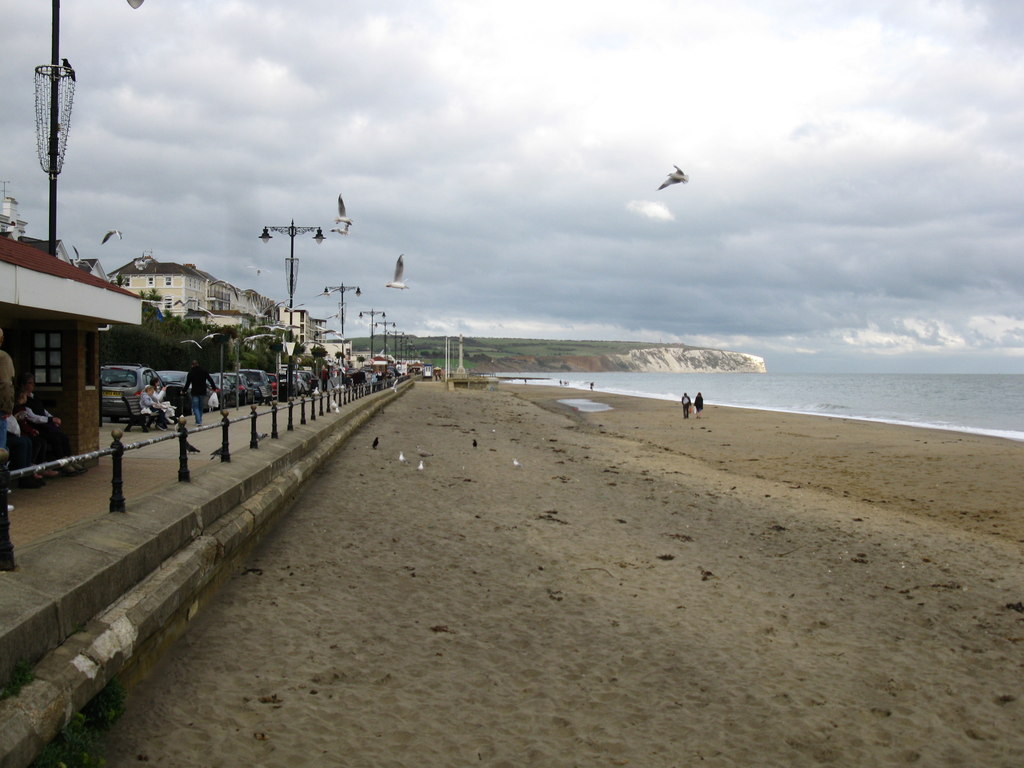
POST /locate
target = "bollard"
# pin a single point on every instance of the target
(225, 424)
(321, 398)
(312, 407)
(273, 421)
(254, 441)
(117, 479)
(302, 410)
(291, 405)
(184, 476)
(6, 547)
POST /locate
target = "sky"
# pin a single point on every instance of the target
(855, 193)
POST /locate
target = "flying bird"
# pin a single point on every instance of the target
(259, 270)
(399, 271)
(191, 341)
(110, 234)
(342, 217)
(340, 231)
(676, 177)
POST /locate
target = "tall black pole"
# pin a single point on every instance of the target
(54, 127)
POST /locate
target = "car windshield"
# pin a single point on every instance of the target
(172, 377)
(117, 377)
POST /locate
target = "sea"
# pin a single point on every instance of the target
(983, 404)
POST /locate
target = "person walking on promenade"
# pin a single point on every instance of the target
(686, 405)
(698, 403)
(195, 382)
(6, 391)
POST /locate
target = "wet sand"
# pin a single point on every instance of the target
(746, 589)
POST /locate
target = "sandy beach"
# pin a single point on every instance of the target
(623, 588)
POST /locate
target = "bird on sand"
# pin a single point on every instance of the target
(421, 464)
(401, 457)
(516, 463)
(342, 217)
(110, 234)
(676, 177)
(423, 452)
(399, 272)
(376, 442)
(474, 442)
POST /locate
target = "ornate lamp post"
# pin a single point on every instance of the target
(340, 290)
(385, 323)
(292, 263)
(55, 93)
(372, 313)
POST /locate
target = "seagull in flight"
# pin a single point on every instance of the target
(110, 234)
(399, 271)
(257, 269)
(676, 177)
(191, 341)
(342, 218)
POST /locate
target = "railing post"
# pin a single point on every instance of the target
(6, 547)
(225, 424)
(273, 420)
(312, 407)
(184, 476)
(302, 409)
(291, 405)
(117, 479)
(322, 393)
(254, 441)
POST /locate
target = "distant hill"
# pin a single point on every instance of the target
(497, 355)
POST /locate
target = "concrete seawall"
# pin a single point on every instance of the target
(103, 598)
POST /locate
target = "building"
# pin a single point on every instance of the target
(52, 313)
(187, 291)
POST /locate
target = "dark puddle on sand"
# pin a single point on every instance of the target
(588, 406)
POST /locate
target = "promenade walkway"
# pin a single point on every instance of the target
(65, 501)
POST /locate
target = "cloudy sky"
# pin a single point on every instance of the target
(855, 194)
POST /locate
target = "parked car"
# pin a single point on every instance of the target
(307, 382)
(122, 379)
(174, 387)
(258, 383)
(233, 392)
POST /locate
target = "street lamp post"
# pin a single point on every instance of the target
(385, 323)
(340, 290)
(55, 93)
(291, 230)
(372, 313)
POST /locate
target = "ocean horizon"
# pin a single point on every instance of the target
(983, 404)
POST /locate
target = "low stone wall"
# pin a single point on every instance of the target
(103, 599)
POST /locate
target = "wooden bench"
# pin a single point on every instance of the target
(135, 414)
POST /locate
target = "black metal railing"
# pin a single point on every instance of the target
(332, 400)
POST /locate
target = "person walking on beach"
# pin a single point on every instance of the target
(698, 403)
(686, 405)
(195, 382)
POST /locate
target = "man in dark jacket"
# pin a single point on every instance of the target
(195, 382)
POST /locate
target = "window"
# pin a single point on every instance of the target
(168, 280)
(46, 357)
(151, 281)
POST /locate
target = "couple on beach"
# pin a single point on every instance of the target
(694, 406)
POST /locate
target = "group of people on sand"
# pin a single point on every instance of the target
(692, 407)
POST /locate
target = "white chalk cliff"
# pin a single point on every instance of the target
(689, 360)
